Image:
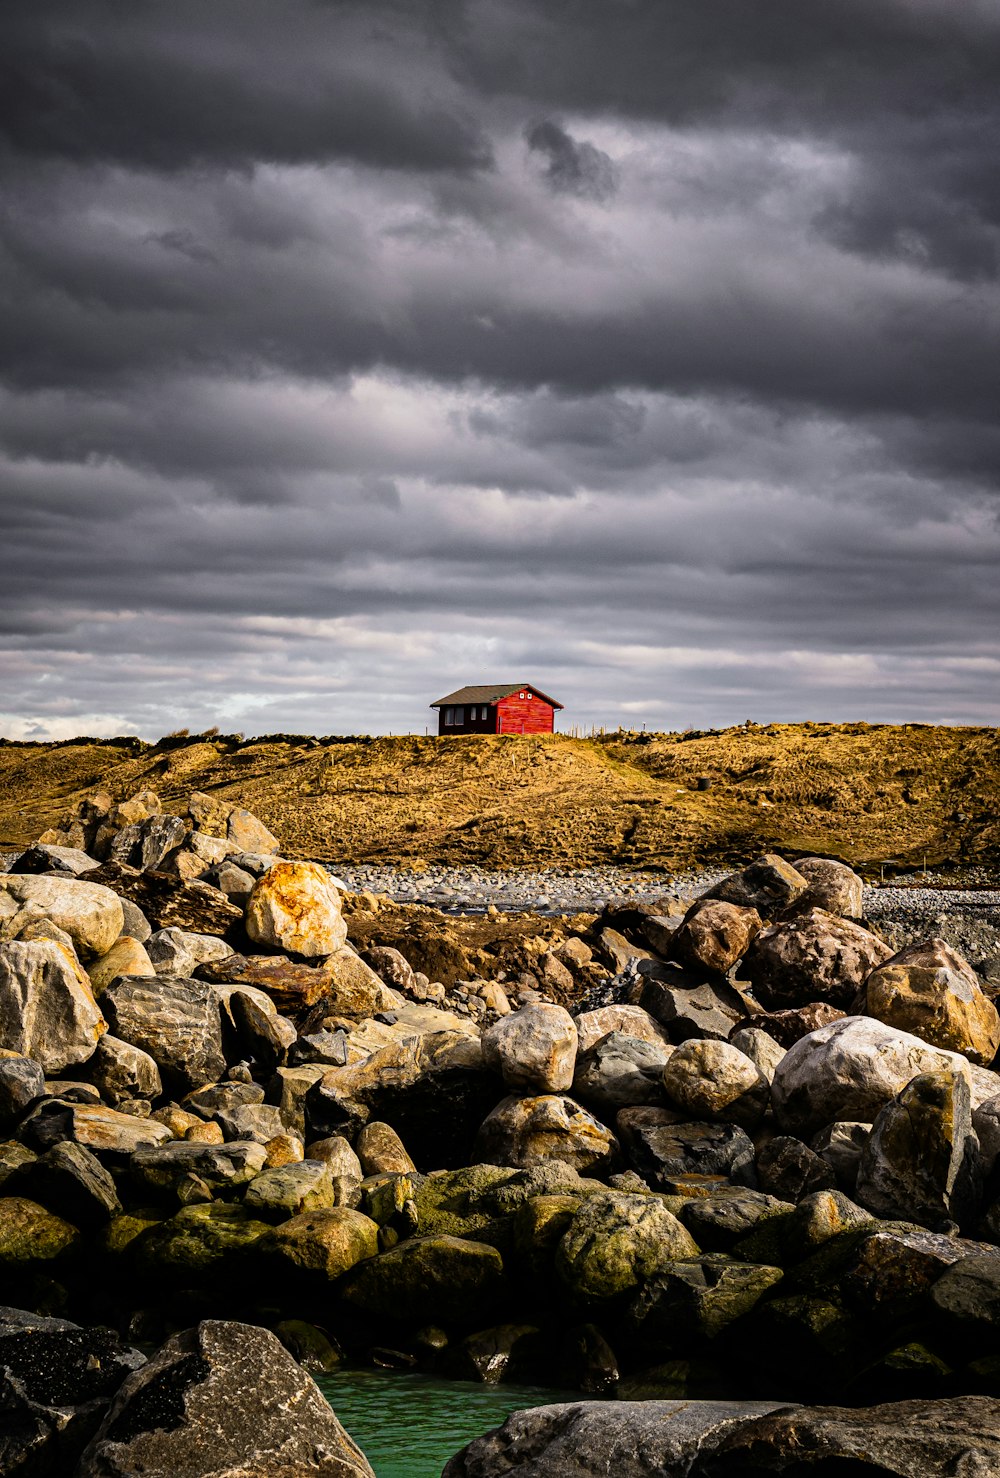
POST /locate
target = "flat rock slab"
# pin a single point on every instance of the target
(579, 1439)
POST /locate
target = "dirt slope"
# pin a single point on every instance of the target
(859, 791)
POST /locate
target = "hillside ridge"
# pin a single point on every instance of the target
(911, 795)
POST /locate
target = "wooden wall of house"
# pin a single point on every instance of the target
(525, 716)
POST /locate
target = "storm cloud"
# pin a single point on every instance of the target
(351, 352)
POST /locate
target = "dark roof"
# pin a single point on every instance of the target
(491, 693)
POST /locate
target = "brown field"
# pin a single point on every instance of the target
(863, 792)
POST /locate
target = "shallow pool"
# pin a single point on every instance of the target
(409, 1425)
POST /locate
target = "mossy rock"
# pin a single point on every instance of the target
(616, 1242)
(200, 1241)
(539, 1226)
(327, 1243)
(427, 1279)
(122, 1231)
(689, 1304)
(30, 1235)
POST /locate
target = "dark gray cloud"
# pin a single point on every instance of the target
(647, 350)
(572, 166)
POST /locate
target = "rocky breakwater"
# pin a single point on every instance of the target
(759, 1158)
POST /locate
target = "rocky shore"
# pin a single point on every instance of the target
(740, 1146)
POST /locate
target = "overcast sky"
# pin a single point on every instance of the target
(645, 350)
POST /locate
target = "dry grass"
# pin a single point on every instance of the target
(862, 792)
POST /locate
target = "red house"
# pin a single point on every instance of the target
(505, 708)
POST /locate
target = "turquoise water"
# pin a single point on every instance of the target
(408, 1426)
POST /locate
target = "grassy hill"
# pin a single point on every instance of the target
(863, 792)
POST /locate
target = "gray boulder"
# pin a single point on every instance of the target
(175, 1020)
(21, 1081)
(533, 1049)
(921, 1162)
(769, 885)
(815, 956)
(579, 1439)
(120, 1071)
(665, 1151)
(904, 1439)
(621, 1070)
(219, 1401)
(852, 1068)
(176, 951)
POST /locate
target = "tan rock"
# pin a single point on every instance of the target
(208, 813)
(245, 833)
(326, 1242)
(176, 1119)
(381, 1151)
(930, 990)
(125, 957)
(716, 1082)
(714, 935)
(204, 1133)
(284, 1149)
(47, 1008)
(295, 907)
(833, 886)
(532, 1131)
(90, 914)
(533, 1049)
(632, 1021)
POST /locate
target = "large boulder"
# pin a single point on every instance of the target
(833, 886)
(93, 1125)
(921, 1161)
(716, 1082)
(169, 902)
(621, 1070)
(342, 984)
(533, 1049)
(90, 914)
(219, 1401)
(578, 1439)
(930, 990)
(173, 1019)
(631, 1021)
(905, 1439)
(530, 1131)
(616, 1241)
(689, 1007)
(47, 1007)
(56, 1381)
(223, 1167)
(673, 1155)
(120, 1072)
(427, 1279)
(816, 956)
(208, 1243)
(32, 1238)
(73, 1183)
(127, 956)
(768, 885)
(714, 935)
(326, 1242)
(177, 951)
(851, 1069)
(295, 907)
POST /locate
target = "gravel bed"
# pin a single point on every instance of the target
(552, 890)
